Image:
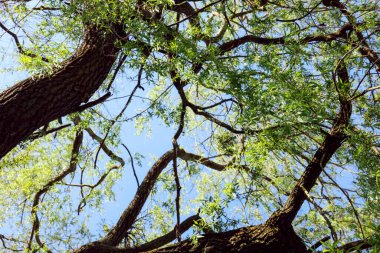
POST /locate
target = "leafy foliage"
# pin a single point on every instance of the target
(261, 86)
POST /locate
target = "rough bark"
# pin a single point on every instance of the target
(34, 102)
(259, 239)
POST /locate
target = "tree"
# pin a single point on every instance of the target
(276, 115)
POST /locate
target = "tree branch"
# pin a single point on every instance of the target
(230, 45)
(175, 169)
(71, 168)
(18, 44)
(100, 100)
(318, 244)
(365, 49)
(104, 147)
(57, 94)
(130, 214)
(128, 217)
(186, 156)
(165, 239)
(330, 145)
(355, 245)
(41, 133)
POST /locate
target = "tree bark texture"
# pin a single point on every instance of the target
(34, 102)
(263, 238)
(259, 239)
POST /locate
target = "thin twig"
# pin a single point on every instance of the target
(18, 44)
(132, 164)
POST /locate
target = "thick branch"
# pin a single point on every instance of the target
(202, 160)
(230, 45)
(365, 49)
(332, 142)
(70, 169)
(258, 239)
(34, 102)
(355, 245)
(165, 239)
(129, 216)
(119, 231)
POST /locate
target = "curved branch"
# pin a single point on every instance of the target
(186, 156)
(323, 214)
(103, 146)
(71, 168)
(165, 239)
(178, 83)
(201, 160)
(118, 232)
(132, 164)
(175, 169)
(184, 7)
(356, 213)
(230, 45)
(18, 44)
(365, 49)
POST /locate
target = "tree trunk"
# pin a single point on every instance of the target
(259, 239)
(34, 102)
(263, 238)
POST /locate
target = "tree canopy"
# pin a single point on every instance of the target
(269, 111)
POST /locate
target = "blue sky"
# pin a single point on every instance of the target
(150, 145)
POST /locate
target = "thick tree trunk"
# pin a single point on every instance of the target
(258, 239)
(35, 102)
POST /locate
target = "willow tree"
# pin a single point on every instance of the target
(272, 108)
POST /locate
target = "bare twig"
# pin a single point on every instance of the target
(133, 165)
(117, 69)
(18, 44)
(104, 147)
(357, 216)
(322, 213)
